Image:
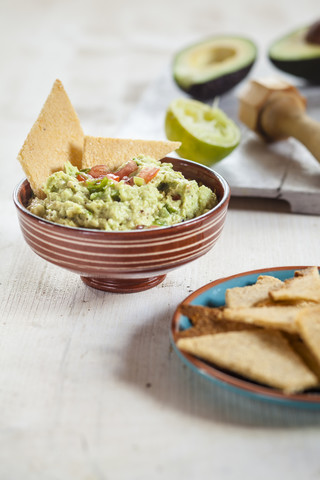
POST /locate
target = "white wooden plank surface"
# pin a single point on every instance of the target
(90, 388)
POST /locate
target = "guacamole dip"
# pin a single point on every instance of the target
(143, 193)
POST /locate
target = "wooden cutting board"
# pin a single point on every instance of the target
(283, 170)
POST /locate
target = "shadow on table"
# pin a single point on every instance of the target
(150, 364)
(259, 204)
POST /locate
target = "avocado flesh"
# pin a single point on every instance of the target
(213, 67)
(295, 55)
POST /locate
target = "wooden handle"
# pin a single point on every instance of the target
(284, 116)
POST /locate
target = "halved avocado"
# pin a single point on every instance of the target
(298, 53)
(213, 66)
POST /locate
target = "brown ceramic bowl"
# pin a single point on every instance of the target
(129, 261)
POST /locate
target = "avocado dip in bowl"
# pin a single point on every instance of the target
(123, 231)
(142, 193)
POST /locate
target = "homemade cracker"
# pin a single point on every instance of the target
(305, 285)
(278, 342)
(198, 313)
(275, 317)
(250, 295)
(55, 137)
(113, 152)
(207, 320)
(263, 356)
(308, 324)
(293, 303)
(305, 353)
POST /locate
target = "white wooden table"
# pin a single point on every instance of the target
(90, 388)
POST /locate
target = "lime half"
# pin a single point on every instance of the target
(207, 134)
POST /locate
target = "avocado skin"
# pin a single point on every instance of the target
(305, 43)
(218, 86)
(308, 69)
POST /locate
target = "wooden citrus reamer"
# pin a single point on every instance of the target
(276, 110)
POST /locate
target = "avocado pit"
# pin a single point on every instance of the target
(313, 34)
(298, 53)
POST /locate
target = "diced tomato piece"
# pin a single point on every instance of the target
(127, 169)
(148, 173)
(81, 177)
(99, 171)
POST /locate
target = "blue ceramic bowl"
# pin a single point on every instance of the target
(213, 295)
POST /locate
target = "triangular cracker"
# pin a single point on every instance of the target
(207, 320)
(55, 137)
(250, 295)
(308, 323)
(263, 356)
(281, 317)
(113, 152)
(200, 314)
(305, 285)
(305, 353)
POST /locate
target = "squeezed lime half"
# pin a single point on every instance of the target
(207, 134)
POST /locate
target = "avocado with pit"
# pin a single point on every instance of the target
(298, 53)
(214, 66)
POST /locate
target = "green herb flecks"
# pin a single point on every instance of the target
(95, 186)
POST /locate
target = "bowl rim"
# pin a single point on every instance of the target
(225, 199)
